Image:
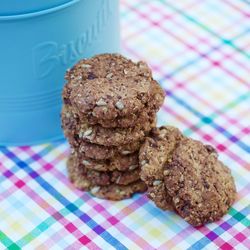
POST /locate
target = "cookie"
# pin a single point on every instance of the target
(155, 151)
(78, 130)
(99, 152)
(113, 177)
(132, 119)
(78, 176)
(147, 114)
(93, 177)
(118, 192)
(188, 178)
(120, 162)
(118, 122)
(110, 86)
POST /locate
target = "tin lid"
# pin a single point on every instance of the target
(16, 7)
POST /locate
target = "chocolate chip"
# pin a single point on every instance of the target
(210, 149)
(91, 76)
(185, 209)
(66, 101)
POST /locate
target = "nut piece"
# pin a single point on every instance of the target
(80, 134)
(101, 102)
(86, 163)
(86, 66)
(132, 167)
(95, 189)
(157, 182)
(85, 184)
(88, 132)
(109, 76)
(68, 115)
(120, 105)
(166, 172)
(126, 152)
(118, 179)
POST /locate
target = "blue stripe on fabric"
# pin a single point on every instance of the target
(70, 206)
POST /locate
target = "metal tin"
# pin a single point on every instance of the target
(36, 49)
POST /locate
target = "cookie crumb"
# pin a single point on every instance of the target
(157, 182)
(88, 132)
(109, 76)
(101, 102)
(86, 163)
(126, 152)
(119, 105)
(95, 189)
(86, 66)
(132, 167)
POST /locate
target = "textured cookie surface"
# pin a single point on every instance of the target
(113, 191)
(201, 187)
(109, 85)
(184, 175)
(145, 115)
(119, 162)
(118, 192)
(156, 150)
(80, 130)
(93, 177)
(99, 152)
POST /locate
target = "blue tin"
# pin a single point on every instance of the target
(36, 48)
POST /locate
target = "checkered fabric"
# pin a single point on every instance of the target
(200, 53)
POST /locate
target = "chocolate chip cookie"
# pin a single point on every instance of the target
(188, 178)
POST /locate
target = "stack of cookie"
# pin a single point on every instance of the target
(110, 105)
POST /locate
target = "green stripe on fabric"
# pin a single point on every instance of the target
(36, 232)
(42, 227)
(239, 217)
(7, 242)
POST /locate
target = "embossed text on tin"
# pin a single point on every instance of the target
(50, 54)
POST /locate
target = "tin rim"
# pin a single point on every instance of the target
(38, 13)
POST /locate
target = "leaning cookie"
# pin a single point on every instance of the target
(154, 153)
(80, 130)
(193, 181)
(121, 188)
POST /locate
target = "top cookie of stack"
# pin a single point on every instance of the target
(112, 91)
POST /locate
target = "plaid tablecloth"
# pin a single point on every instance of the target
(200, 53)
